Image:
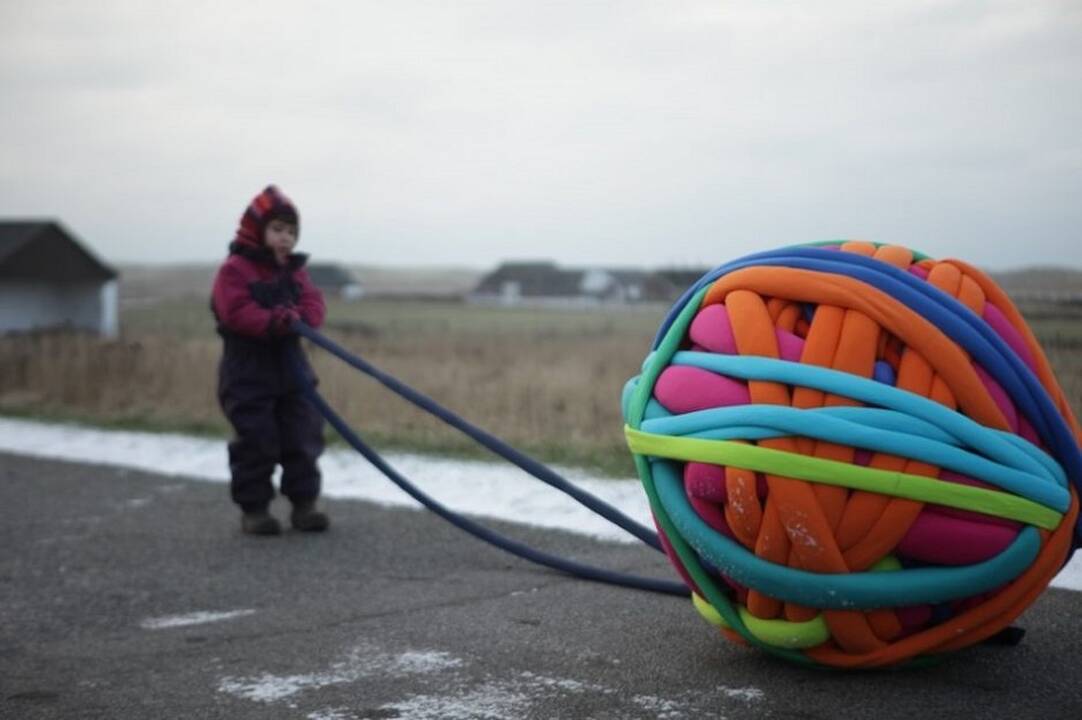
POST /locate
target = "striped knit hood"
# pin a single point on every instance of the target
(270, 204)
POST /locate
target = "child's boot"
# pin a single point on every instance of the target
(259, 522)
(306, 518)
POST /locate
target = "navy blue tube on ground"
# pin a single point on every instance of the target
(479, 531)
(494, 444)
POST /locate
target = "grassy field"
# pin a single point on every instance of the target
(548, 381)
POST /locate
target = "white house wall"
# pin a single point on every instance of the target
(30, 306)
(109, 302)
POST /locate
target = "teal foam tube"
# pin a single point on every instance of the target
(986, 441)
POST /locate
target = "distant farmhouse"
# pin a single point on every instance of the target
(546, 284)
(335, 281)
(49, 279)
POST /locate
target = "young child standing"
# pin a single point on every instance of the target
(259, 291)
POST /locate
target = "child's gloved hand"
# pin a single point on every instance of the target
(282, 319)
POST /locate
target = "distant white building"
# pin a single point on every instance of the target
(544, 284)
(49, 279)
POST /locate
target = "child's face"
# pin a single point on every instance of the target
(281, 237)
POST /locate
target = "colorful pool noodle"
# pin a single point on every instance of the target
(856, 456)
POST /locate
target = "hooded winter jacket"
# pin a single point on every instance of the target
(254, 300)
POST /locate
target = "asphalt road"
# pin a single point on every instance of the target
(395, 614)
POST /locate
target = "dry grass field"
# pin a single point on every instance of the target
(548, 381)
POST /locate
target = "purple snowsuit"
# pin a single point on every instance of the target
(253, 301)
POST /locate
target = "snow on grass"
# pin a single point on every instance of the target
(490, 489)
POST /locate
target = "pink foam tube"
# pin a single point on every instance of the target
(999, 396)
(711, 515)
(918, 271)
(999, 322)
(1028, 432)
(682, 389)
(712, 330)
(706, 481)
(943, 540)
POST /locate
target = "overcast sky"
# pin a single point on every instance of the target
(617, 133)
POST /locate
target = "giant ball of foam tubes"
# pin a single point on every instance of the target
(856, 455)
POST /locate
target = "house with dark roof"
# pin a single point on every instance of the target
(50, 279)
(335, 281)
(544, 283)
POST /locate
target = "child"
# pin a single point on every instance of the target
(260, 289)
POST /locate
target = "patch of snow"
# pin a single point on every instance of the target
(447, 692)
(425, 662)
(361, 662)
(748, 694)
(268, 688)
(660, 707)
(490, 701)
(493, 700)
(565, 684)
(331, 714)
(195, 618)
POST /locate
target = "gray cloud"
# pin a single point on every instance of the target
(638, 133)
